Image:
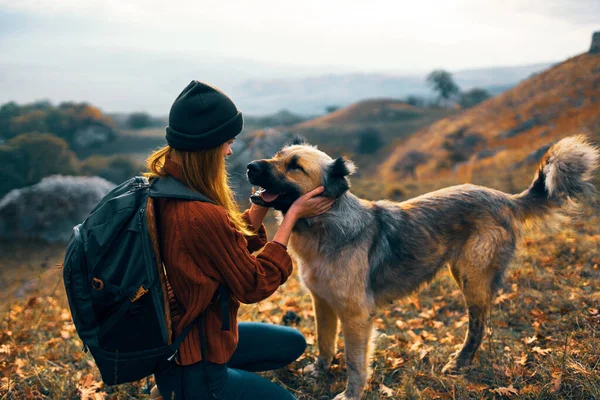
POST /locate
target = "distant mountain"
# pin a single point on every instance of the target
(126, 81)
(311, 95)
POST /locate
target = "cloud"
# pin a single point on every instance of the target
(585, 12)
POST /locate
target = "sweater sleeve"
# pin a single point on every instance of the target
(257, 241)
(222, 253)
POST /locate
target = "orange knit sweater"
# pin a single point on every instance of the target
(201, 249)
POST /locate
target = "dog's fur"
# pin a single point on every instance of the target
(363, 254)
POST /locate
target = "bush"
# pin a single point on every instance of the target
(28, 158)
(369, 141)
(408, 164)
(115, 169)
(395, 192)
(139, 120)
(460, 145)
(473, 97)
(416, 101)
(69, 121)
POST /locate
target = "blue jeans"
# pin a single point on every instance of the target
(261, 347)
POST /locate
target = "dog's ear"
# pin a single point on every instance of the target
(342, 167)
(297, 140)
(336, 182)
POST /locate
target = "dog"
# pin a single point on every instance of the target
(362, 254)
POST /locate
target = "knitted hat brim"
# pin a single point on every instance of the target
(207, 140)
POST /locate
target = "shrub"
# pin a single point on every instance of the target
(139, 120)
(69, 121)
(369, 141)
(115, 169)
(416, 101)
(408, 164)
(473, 97)
(29, 157)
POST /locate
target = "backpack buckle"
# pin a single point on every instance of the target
(138, 294)
(97, 284)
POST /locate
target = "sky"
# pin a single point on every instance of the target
(348, 35)
(127, 55)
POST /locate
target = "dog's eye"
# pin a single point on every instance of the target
(293, 166)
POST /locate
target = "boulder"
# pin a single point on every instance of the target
(49, 209)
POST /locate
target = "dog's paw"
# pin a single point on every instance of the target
(319, 368)
(315, 370)
(455, 367)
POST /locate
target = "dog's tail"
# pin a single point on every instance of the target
(563, 180)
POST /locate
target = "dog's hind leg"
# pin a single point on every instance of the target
(476, 282)
(479, 271)
(357, 329)
(327, 324)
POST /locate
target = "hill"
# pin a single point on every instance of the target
(352, 130)
(510, 130)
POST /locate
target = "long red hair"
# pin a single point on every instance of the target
(204, 171)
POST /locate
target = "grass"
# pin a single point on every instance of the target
(543, 341)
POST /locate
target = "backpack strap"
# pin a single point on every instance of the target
(167, 187)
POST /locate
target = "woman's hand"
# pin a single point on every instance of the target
(309, 205)
(305, 206)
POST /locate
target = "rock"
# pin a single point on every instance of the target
(49, 209)
(595, 47)
(94, 134)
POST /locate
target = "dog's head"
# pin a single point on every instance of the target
(295, 170)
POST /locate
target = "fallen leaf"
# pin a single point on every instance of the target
(530, 340)
(20, 363)
(540, 351)
(505, 391)
(386, 390)
(556, 382)
(476, 387)
(522, 360)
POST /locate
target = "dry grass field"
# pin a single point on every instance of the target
(543, 342)
(544, 336)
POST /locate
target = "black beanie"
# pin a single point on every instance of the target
(202, 117)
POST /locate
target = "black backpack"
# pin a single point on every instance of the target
(116, 285)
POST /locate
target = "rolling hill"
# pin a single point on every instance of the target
(504, 133)
(345, 131)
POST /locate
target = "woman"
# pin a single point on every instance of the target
(205, 245)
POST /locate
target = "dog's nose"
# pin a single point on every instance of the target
(254, 167)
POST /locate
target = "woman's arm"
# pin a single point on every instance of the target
(256, 215)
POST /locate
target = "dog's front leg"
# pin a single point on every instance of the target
(357, 335)
(327, 323)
